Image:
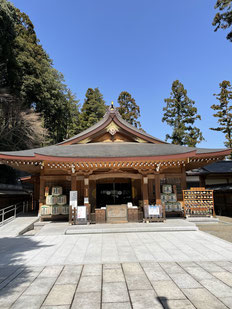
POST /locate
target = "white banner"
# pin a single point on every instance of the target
(73, 199)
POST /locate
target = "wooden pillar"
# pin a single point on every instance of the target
(202, 181)
(35, 195)
(158, 195)
(73, 183)
(86, 196)
(41, 192)
(183, 178)
(157, 189)
(145, 190)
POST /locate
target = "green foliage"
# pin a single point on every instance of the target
(93, 108)
(128, 108)
(224, 111)
(180, 113)
(29, 76)
(223, 19)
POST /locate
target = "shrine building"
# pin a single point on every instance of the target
(110, 163)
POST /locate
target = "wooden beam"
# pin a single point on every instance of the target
(115, 175)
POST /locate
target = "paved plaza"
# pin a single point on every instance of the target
(171, 270)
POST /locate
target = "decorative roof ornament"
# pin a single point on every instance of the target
(112, 128)
(112, 106)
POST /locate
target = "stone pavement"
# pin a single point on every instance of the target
(172, 270)
(18, 225)
(183, 285)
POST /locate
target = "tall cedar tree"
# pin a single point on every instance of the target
(180, 113)
(93, 108)
(223, 19)
(224, 111)
(128, 108)
(27, 74)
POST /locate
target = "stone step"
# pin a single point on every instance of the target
(203, 220)
(78, 230)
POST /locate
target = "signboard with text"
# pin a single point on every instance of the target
(81, 212)
(73, 199)
(154, 210)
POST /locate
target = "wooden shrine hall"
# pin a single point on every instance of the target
(110, 163)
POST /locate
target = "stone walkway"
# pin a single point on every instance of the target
(172, 270)
(184, 285)
(113, 248)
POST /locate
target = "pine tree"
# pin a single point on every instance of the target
(93, 108)
(223, 19)
(180, 113)
(128, 108)
(224, 111)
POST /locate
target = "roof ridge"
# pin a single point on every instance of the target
(110, 115)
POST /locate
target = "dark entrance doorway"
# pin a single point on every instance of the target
(113, 194)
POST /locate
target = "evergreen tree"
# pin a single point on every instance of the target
(72, 112)
(224, 111)
(93, 108)
(223, 19)
(128, 108)
(27, 73)
(180, 113)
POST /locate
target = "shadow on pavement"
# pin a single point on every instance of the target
(15, 276)
(164, 302)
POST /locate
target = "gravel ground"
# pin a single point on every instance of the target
(222, 229)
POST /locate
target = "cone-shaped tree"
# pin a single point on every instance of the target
(128, 108)
(224, 111)
(180, 113)
(93, 108)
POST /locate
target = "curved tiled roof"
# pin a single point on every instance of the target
(110, 150)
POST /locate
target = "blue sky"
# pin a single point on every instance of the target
(140, 47)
